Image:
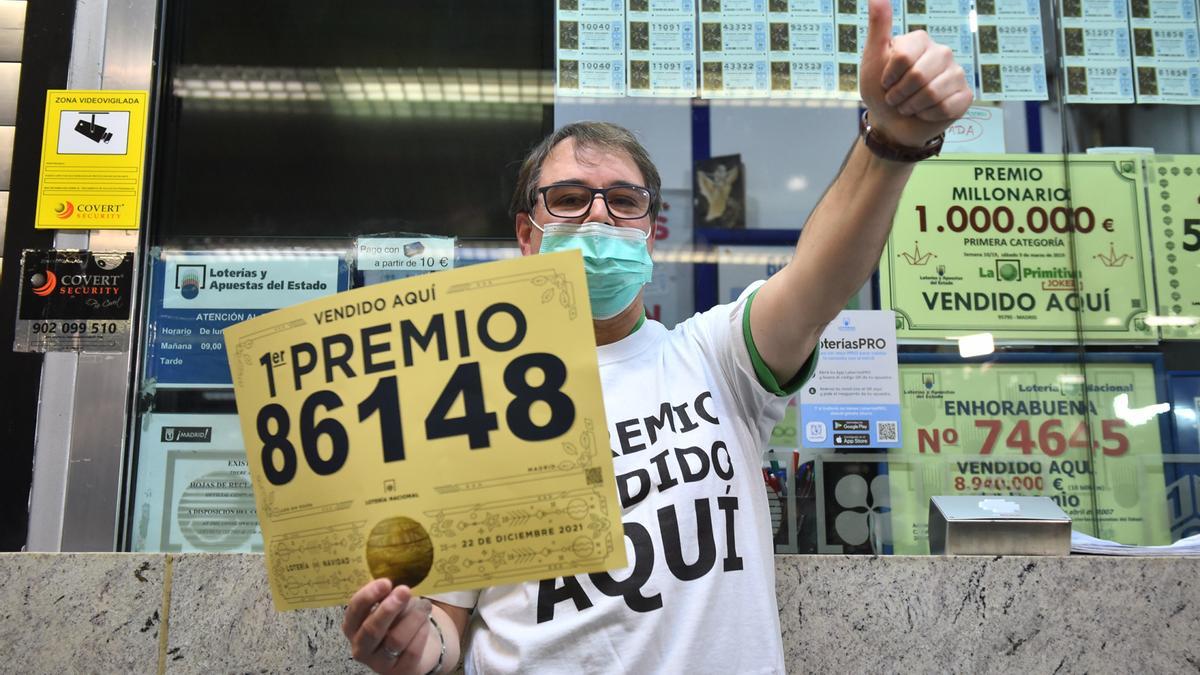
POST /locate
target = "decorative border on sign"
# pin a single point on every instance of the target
(553, 284)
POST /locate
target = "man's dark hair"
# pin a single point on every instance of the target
(591, 136)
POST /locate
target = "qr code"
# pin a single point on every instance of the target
(593, 476)
(886, 432)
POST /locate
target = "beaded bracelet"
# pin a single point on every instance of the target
(437, 667)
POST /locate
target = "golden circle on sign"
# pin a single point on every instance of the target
(400, 549)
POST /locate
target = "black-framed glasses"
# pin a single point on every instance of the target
(571, 200)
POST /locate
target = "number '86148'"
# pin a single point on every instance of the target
(280, 458)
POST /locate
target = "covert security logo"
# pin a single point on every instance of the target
(46, 282)
(72, 285)
(43, 283)
(87, 211)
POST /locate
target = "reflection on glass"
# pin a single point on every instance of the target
(980, 344)
(1137, 416)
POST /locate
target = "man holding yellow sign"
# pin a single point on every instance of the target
(688, 410)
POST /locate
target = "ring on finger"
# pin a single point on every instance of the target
(394, 653)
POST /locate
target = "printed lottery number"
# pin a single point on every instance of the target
(280, 459)
(1191, 230)
(1051, 440)
(1059, 219)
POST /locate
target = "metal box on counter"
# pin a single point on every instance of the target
(997, 525)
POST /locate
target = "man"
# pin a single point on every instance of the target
(689, 409)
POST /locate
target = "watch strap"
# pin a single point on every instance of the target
(885, 148)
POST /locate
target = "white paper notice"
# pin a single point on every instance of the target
(193, 488)
(381, 259)
(981, 129)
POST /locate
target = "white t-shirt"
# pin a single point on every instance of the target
(687, 422)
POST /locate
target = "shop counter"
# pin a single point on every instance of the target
(183, 613)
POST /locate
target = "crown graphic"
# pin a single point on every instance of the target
(1112, 259)
(916, 257)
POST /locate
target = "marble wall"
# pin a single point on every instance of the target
(197, 613)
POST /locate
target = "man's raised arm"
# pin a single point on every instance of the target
(913, 91)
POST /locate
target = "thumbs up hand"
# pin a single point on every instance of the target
(911, 85)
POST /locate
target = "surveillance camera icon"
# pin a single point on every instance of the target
(93, 131)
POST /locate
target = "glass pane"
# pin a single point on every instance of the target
(1152, 483)
(284, 132)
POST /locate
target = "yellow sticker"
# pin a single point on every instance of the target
(446, 431)
(93, 151)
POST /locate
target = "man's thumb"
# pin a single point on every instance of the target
(879, 27)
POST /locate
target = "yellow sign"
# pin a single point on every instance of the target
(93, 149)
(446, 431)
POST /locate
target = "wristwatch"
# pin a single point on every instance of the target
(885, 148)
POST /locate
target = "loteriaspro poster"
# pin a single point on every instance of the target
(1175, 231)
(1017, 246)
(92, 156)
(1006, 428)
(852, 398)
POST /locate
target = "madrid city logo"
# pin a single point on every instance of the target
(64, 210)
(190, 280)
(43, 283)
